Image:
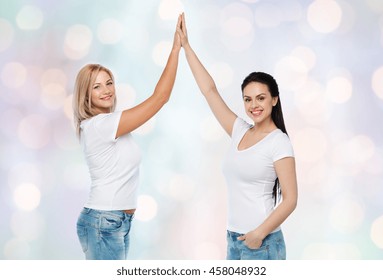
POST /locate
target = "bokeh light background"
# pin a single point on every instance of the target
(326, 55)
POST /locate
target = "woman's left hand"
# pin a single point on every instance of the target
(252, 239)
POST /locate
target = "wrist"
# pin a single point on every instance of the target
(187, 47)
(260, 233)
(175, 50)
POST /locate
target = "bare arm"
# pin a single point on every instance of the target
(206, 84)
(133, 118)
(285, 169)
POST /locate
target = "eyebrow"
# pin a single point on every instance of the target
(105, 82)
(255, 96)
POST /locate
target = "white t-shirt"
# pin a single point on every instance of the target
(113, 163)
(250, 177)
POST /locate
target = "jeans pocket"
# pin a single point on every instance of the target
(83, 237)
(110, 223)
(262, 253)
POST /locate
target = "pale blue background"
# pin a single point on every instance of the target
(329, 67)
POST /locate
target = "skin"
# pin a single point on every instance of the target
(138, 115)
(258, 104)
(103, 95)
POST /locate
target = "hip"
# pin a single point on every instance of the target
(111, 220)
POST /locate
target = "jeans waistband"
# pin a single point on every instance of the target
(97, 213)
(272, 235)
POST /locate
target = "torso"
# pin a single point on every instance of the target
(250, 175)
(113, 164)
(252, 137)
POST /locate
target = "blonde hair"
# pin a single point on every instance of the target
(82, 103)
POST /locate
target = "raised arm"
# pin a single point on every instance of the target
(138, 115)
(206, 84)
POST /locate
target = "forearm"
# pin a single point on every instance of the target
(254, 238)
(134, 117)
(165, 84)
(204, 81)
(277, 217)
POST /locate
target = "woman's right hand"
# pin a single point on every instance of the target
(177, 40)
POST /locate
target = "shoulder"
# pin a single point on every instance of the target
(107, 116)
(279, 135)
(280, 144)
(103, 125)
(240, 126)
(102, 117)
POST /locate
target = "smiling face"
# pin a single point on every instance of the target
(103, 93)
(258, 102)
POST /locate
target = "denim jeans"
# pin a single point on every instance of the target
(104, 235)
(272, 248)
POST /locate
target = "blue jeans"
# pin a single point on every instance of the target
(272, 248)
(104, 235)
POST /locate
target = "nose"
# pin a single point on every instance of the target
(105, 90)
(254, 103)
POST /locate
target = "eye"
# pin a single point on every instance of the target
(247, 99)
(96, 87)
(110, 83)
(261, 98)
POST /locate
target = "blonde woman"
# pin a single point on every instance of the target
(112, 156)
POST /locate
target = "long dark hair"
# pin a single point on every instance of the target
(276, 113)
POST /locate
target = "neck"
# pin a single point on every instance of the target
(265, 126)
(101, 111)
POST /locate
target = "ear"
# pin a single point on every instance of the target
(275, 100)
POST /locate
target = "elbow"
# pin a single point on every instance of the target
(293, 204)
(212, 89)
(164, 99)
(290, 203)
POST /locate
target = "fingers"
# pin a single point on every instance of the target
(184, 24)
(180, 33)
(242, 237)
(179, 30)
(178, 26)
(179, 21)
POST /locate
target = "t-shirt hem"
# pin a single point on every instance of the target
(283, 156)
(241, 231)
(110, 208)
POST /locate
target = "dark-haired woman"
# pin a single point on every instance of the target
(258, 167)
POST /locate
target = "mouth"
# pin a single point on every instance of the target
(107, 97)
(256, 113)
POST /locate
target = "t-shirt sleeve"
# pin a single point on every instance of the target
(282, 147)
(239, 128)
(106, 125)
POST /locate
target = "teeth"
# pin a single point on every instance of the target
(257, 113)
